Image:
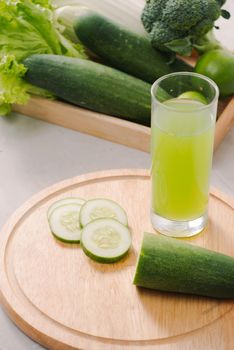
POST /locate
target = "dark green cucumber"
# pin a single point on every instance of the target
(171, 265)
(91, 85)
(123, 49)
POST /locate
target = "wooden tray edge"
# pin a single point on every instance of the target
(96, 124)
(111, 128)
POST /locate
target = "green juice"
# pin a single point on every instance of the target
(182, 135)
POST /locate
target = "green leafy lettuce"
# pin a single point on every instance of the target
(12, 87)
(27, 27)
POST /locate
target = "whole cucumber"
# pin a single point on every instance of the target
(125, 50)
(91, 85)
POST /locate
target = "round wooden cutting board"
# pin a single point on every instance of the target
(64, 300)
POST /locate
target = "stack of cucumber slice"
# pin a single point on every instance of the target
(100, 225)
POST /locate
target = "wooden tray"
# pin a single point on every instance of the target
(63, 300)
(107, 127)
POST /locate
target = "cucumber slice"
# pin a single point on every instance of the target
(69, 200)
(102, 208)
(65, 224)
(193, 95)
(105, 240)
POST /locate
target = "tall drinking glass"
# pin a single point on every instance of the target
(184, 107)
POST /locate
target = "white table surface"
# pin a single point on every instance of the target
(34, 155)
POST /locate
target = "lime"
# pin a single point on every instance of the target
(193, 95)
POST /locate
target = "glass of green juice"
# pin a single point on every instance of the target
(184, 107)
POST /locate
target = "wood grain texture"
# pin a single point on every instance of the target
(92, 123)
(224, 123)
(107, 127)
(63, 300)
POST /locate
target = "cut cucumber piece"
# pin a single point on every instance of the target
(65, 224)
(105, 240)
(102, 208)
(193, 95)
(68, 200)
(171, 265)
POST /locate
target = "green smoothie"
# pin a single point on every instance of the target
(181, 148)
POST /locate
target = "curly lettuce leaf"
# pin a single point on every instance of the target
(13, 89)
(29, 27)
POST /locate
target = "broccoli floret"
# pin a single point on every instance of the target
(192, 13)
(153, 12)
(161, 34)
(221, 2)
(201, 28)
(176, 25)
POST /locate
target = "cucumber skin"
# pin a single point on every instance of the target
(171, 265)
(123, 49)
(91, 85)
(100, 259)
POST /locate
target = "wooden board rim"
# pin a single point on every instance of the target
(42, 195)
